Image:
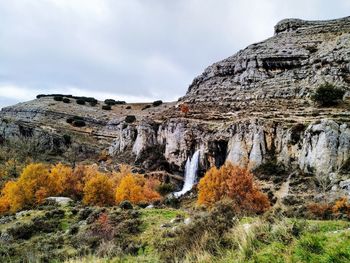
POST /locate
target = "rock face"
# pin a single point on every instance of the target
(250, 108)
(321, 147)
(301, 55)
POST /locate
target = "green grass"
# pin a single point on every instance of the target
(153, 218)
(318, 241)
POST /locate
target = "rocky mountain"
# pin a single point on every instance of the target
(252, 108)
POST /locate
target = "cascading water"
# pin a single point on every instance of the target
(190, 174)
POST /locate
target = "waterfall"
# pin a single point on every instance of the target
(190, 174)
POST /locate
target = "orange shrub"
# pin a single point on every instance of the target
(341, 207)
(99, 191)
(184, 108)
(234, 183)
(320, 210)
(149, 190)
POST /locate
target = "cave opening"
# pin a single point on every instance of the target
(218, 152)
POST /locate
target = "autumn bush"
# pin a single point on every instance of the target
(98, 190)
(332, 210)
(38, 181)
(234, 183)
(134, 187)
(32, 187)
(320, 210)
(184, 108)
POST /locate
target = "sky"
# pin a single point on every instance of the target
(133, 50)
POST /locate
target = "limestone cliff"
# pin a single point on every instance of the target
(250, 108)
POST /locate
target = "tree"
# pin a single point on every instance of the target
(33, 186)
(234, 183)
(99, 191)
(34, 177)
(328, 94)
(129, 189)
(12, 197)
(60, 178)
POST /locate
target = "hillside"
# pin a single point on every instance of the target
(256, 110)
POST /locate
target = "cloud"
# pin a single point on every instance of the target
(131, 49)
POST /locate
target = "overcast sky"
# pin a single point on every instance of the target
(135, 50)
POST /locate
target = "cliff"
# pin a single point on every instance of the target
(251, 108)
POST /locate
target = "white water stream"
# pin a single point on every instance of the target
(190, 174)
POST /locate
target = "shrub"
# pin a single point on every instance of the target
(58, 98)
(146, 107)
(106, 107)
(78, 123)
(67, 139)
(130, 118)
(128, 107)
(80, 101)
(93, 102)
(338, 209)
(234, 183)
(129, 189)
(70, 120)
(184, 108)
(136, 189)
(271, 167)
(125, 205)
(320, 210)
(165, 189)
(157, 103)
(99, 191)
(328, 95)
(346, 166)
(66, 100)
(33, 186)
(341, 207)
(110, 102)
(59, 175)
(40, 96)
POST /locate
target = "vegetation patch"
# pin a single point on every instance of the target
(130, 119)
(328, 94)
(106, 107)
(157, 103)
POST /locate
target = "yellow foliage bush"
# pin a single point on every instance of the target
(38, 181)
(35, 177)
(136, 189)
(61, 178)
(129, 189)
(99, 191)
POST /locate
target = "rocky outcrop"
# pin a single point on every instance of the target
(321, 147)
(300, 56)
(325, 147)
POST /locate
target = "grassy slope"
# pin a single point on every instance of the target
(323, 241)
